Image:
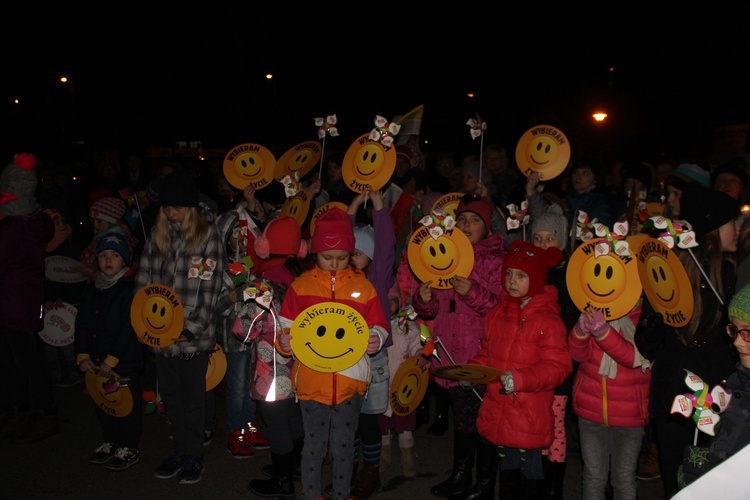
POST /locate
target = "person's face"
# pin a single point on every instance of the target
(360, 260)
(444, 167)
(673, 200)
(110, 262)
(332, 260)
(729, 233)
(495, 161)
(101, 225)
(729, 184)
(634, 187)
(470, 182)
(175, 214)
(516, 283)
(333, 170)
(545, 239)
(661, 171)
(582, 179)
(472, 226)
(743, 348)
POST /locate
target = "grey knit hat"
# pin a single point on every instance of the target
(553, 221)
(18, 183)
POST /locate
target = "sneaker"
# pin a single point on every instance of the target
(69, 381)
(192, 470)
(103, 454)
(255, 437)
(649, 469)
(238, 446)
(208, 436)
(171, 466)
(124, 458)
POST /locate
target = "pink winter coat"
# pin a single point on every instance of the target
(528, 341)
(458, 320)
(616, 402)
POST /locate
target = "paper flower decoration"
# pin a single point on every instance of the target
(114, 383)
(384, 132)
(259, 291)
(614, 241)
(292, 185)
(678, 233)
(477, 126)
(584, 227)
(438, 222)
(704, 406)
(327, 125)
(518, 216)
(201, 268)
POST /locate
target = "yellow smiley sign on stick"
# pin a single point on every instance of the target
(157, 315)
(329, 337)
(448, 203)
(440, 259)
(409, 385)
(297, 206)
(367, 163)
(299, 159)
(543, 149)
(249, 165)
(665, 282)
(110, 394)
(476, 374)
(217, 367)
(607, 282)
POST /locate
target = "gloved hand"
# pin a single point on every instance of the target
(373, 344)
(592, 322)
(465, 385)
(285, 341)
(509, 386)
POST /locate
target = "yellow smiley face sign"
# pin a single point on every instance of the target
(440, 259)
(476, 374)
(157, 315)
(323, 209)
(447, 203)
(665, 282)
(299, 159)
(409, 385)
(217, 367)
(329, 337)
(367, 163)
(113, 399)
(543, 149)
(607, 282)
(297, 206)
(249, 165)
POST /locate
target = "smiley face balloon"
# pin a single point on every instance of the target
(440, 259)
(543, 149)
(367, 163)
(112, 399)
(665, 282)
(409, 385)
(329, 337)
(608, 282)
(157, 315)
(299, 159)
(249, 165)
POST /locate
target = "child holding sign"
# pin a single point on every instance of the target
(330, 398)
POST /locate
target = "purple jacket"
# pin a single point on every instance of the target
(458, 320)
(23, 240)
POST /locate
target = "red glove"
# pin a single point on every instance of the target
(593, 322)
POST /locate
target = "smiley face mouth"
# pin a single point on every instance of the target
(600, 294)
(348, 351)
(538, 162)
(364, 174)
(154, 326)
(252, 174)
(667, 299)
(443, 268)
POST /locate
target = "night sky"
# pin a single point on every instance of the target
(151, 75)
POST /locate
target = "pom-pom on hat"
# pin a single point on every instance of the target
(18, 182)
(109, 208)
(553, 221)
(706, 209)
(179, 190)
(282, 236)
(333, 231)
(532, 260)
(739, 306)
(112, 240)
(364, 240)
(480, 205)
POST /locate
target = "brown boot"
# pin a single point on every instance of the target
(649, 469)
(407, 457)
(368, 482)
(385, 453)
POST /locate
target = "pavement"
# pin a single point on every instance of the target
(58, 468)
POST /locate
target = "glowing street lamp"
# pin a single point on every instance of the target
(599, 116)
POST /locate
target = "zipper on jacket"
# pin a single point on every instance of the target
(333, 284)
(333, 394)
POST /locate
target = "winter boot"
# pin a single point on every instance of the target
(385, 453)
(442, 405)
(487, 462)
(368, 481)
(554, 474)
(280, 484)
(407, 457)
(464, 446)
(238, 446)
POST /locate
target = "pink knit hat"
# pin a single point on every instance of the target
(333, 231)
(282, 236)
(108, 208)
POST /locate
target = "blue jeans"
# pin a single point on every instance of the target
(600, 445)
(240, 406)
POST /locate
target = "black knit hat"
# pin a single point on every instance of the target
(734, 166)
(638, 171)
(179, 190)
(706, 209)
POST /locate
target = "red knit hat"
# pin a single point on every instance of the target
(532, 260)
(282, 236)
(333, 231)
(480, 205)
(108, 208)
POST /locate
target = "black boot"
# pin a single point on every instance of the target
(511, 484)
(280, 484)
(487, 461)
(554, 474)
(442, 405)
(464, 447)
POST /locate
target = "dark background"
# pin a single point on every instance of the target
(155, 74)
